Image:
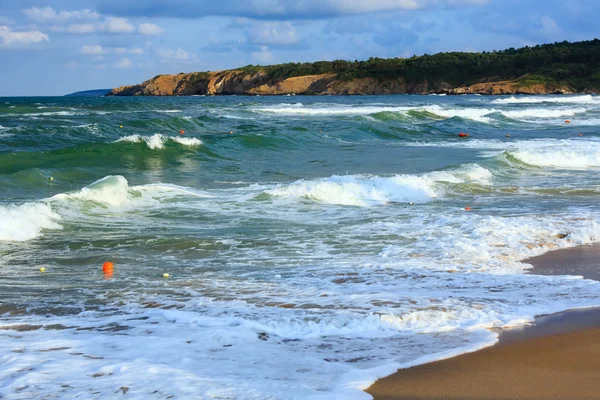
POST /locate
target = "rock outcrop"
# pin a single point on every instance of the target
(260, 83)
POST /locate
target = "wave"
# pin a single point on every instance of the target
(158, 140)
(26, 221)
(114, 190)
(389, 112)
(586, 99)
(576, 156)
(341, 110)
(538, 113)
(359, 190)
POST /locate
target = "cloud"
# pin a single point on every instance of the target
(150, 29)
(97, 50)
(123, 63)
(174, 55)
(272, 33)
(264, 56)
(271, 9)
(47, 15)
(77, 29)
(549, 29)
(8, 37)
(92, 50)
(117, 25)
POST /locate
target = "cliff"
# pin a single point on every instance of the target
(241, 83)
(559, 68)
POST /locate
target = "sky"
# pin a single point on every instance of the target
(61, 46)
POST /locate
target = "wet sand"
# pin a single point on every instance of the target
(556, 358)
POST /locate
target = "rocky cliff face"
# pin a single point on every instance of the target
(240, 82)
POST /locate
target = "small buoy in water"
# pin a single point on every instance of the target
(411, 203)
(43, 269)
(121, 126)
(165, 275)
(231, 132)
(51, 179)
(581, 134)
(468, 208)
(508, 135)
(567, 121)
(320, 130)
(108, 268)
(463, 134)
(181, 132)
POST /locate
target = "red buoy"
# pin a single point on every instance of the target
(181, 132)
(108, 267)
(463, 134)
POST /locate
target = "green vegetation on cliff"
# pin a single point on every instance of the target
(574, 64)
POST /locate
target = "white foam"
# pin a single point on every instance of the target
(114, 191)
(330, 110)
(475, 114)
(575, 155)
(26, 221)
(158, 140)
(357, 190)
(586, 99)
(540, 113)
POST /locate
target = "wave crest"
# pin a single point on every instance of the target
(26, 221)
(359, 190)
(158, 140)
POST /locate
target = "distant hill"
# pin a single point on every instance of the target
(90, 93)
(559, 68)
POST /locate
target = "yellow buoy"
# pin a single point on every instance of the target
(43, 269)
(165, 275)
(121, 126)
(508, 135)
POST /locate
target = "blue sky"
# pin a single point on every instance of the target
(61, 46)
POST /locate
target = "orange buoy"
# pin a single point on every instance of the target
(581, 134)
(567, 121)
(181, 132)
(463, 134)
(468, 208)
(108, 268)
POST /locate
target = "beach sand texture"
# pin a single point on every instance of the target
(557, 358)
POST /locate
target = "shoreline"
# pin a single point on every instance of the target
(553, 358)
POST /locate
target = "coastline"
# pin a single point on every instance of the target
(554, 358)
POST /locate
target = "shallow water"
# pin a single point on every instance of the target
(313, 243)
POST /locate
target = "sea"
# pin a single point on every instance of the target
(288, 247)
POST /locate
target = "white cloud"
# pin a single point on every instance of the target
(264, 56)
(272, 33)
(49, 15)
(137, 51)
(117, 25)
(170, 55)
(92, 50)
(10, 38)
(549, 29)
(124, 63)
(150, 29)
(77, 29)
(120, 50)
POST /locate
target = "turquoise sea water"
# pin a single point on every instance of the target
(313, 244)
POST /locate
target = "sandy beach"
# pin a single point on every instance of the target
(556, 358)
